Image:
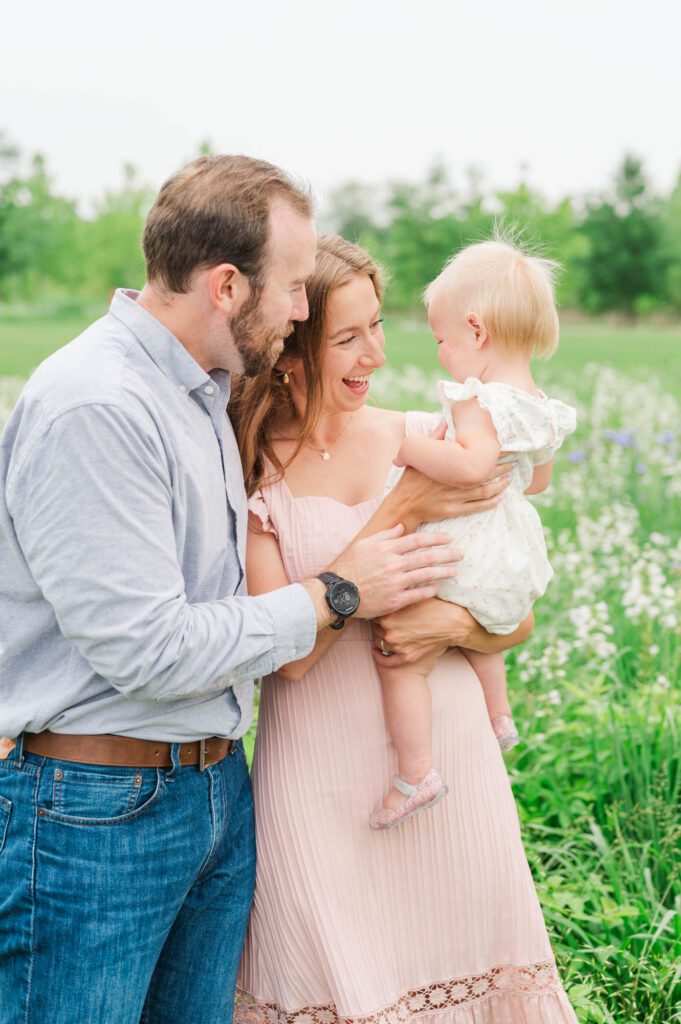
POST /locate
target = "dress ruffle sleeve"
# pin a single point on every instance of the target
(259, 514)
(524, 423)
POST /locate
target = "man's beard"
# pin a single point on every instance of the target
(254, 340)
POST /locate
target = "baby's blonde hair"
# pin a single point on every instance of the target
(511, 290)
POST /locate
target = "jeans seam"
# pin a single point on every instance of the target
(213, 841)
(34, 851)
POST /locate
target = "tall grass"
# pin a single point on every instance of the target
(596, 691)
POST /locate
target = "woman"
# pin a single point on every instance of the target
(438, 916)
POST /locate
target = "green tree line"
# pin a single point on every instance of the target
(620, 248)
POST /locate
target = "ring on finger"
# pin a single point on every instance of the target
(384, 650)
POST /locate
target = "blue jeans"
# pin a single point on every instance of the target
(124, 892)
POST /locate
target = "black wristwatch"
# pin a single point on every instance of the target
(342, 597)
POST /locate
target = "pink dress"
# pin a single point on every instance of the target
(437, 919)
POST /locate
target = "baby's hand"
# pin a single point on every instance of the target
(6, 747)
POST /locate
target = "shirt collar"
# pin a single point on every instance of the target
(162, 347)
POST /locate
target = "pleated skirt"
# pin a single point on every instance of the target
(437, 918)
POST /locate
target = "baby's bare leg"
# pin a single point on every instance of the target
(491, 671)
(409, 720)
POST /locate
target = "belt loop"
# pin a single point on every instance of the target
(175, 758)
(17, 754)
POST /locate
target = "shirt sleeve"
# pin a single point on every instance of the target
(92, 511)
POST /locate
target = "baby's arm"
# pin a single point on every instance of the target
(462, 463)
(541, 478)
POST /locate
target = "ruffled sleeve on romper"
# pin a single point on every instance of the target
(523, 422)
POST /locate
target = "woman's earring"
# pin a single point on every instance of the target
(285, 377)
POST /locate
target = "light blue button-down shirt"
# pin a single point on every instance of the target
(122, 547)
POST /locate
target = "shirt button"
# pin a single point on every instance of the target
(209, 389)
(183, 388)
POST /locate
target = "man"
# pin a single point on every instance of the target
(127, 643)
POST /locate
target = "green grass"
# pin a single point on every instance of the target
(26, 341)
(637, 351)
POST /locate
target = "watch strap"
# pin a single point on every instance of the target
(328, 578)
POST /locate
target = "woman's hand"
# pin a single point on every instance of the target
(418, 499)
(427, 629)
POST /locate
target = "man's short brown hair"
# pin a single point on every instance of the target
(216, 210)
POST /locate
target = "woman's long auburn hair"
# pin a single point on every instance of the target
(258, 402)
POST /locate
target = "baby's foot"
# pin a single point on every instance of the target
(394, 799)
(505, 731)
(412, 799)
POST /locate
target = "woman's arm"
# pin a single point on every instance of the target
(265, 571)
(414, 500)
(417, 499)
(435, 625)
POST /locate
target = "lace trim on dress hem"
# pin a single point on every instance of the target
(531, 980)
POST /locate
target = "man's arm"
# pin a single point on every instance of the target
(92, 510)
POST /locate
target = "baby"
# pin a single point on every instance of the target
(491, 310)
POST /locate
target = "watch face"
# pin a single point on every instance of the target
(344, 597)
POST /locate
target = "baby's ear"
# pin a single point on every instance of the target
(474, 321)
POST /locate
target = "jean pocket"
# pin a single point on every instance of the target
(5, 812)
(96, 795)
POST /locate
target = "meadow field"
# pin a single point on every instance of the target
(596, 690)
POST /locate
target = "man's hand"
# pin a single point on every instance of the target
(392, 570)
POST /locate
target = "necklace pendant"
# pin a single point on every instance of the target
(326, 456)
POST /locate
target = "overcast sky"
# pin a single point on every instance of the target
(365, 89)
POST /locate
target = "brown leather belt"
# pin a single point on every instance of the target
(125, 751)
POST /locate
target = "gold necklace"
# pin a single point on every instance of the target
(324, 452)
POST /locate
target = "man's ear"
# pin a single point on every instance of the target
(478, 327)
(227, 287)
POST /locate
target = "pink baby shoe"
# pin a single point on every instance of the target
(505, 731)
(429, 791)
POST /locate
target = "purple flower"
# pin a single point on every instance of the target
(666, 437)
(626, 437)
(641, 468)
(577, 456)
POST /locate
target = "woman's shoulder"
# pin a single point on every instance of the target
(387, 424)
(418, 422)
(379, 416)
(403, 424)
(266, 501)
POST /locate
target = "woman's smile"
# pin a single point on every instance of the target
(359, 385)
